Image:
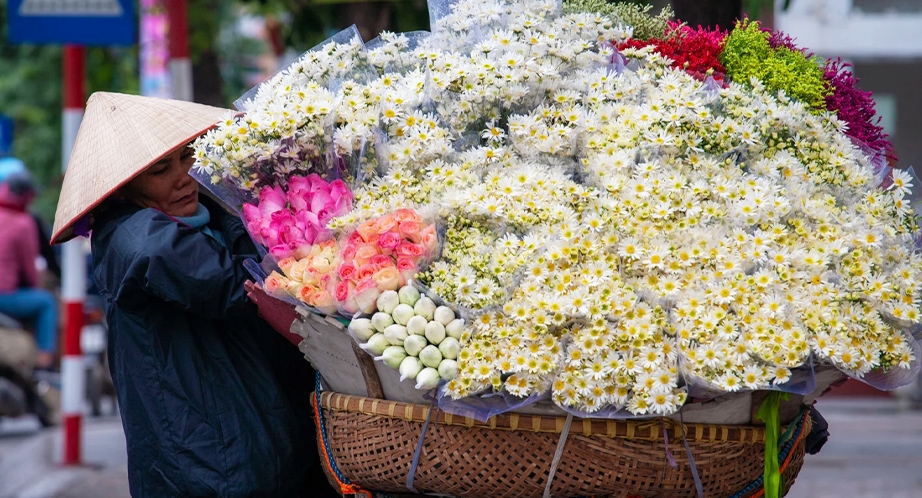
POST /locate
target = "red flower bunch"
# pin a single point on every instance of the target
(694, 50)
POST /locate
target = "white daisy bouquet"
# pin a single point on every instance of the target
(628, 221)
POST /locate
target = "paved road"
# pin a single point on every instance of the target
(875, 451)
(29, 461)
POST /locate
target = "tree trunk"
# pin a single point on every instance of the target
(369, 17)
(207, 83)
(708, 13)
(205, 18)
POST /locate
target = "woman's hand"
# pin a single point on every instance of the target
(277, 313)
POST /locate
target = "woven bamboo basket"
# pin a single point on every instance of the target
(369, 444)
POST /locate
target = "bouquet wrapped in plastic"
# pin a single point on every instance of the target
(632, 212)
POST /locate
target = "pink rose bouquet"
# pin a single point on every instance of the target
(288, 223)
(382, 254)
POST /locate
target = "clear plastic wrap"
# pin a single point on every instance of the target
(619, 234)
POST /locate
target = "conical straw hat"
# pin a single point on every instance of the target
(119, 137)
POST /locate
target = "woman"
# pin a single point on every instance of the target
(21, 295)
(213, 401)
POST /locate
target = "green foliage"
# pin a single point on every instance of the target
(646, 26)
(204, 20)
(748, 54)
(410, 16)
(311, 22)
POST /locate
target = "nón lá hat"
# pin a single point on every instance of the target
(121, 136)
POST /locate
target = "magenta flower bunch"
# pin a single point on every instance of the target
(289, 223)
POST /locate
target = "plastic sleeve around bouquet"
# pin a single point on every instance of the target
(482, 407)
(299, 254)
(381, 254)
(331, 59)
(802, 381)
(395, 52)
(295, 122)
(893, 377)
(462, 29)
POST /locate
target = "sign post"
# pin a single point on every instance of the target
(180, 65)
(75, 24)
(73, 272)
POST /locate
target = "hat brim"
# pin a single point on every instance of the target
(120, 137)
(67, 232)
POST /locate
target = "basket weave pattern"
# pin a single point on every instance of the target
(373, 441)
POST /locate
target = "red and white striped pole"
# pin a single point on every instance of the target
(180, 65)
(73, 271)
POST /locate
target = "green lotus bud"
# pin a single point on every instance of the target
(392, 356)
(443, 315)
(413, 344)
(427, 378)
(381, 321)
(430, 356)
(402, 313)
(450, 348)
(396, 334)
(387, 301)
(455, 328)
(409, 368)
(376, 344)
(361, 329)
(435, 332)
(448, 369)
(424, 308)
(417, 325)
(408, 295)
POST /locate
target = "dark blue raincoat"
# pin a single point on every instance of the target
(213, 401)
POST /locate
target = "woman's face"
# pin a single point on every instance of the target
(166, 185)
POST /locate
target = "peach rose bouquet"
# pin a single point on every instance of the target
(310, 279)
(382, 254)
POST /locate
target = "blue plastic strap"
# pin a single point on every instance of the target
(419, 450)
(669, 456)
(561, 443)
(691, 459)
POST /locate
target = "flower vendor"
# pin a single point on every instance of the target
(213, 401)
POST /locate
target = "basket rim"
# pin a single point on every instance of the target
(644, 429)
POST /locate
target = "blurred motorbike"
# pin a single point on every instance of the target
(21, 392)
(93, 342)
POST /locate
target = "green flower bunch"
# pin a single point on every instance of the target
(748, 54)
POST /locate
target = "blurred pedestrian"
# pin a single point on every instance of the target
(9, 166)
(213, 401)
(21, 295)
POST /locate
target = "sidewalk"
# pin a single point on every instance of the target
(29, 466)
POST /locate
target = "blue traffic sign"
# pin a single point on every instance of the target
(78, 22)
(6, 135)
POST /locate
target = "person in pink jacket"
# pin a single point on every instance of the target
(20, 294)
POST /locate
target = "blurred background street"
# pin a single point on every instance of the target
(874, 451)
